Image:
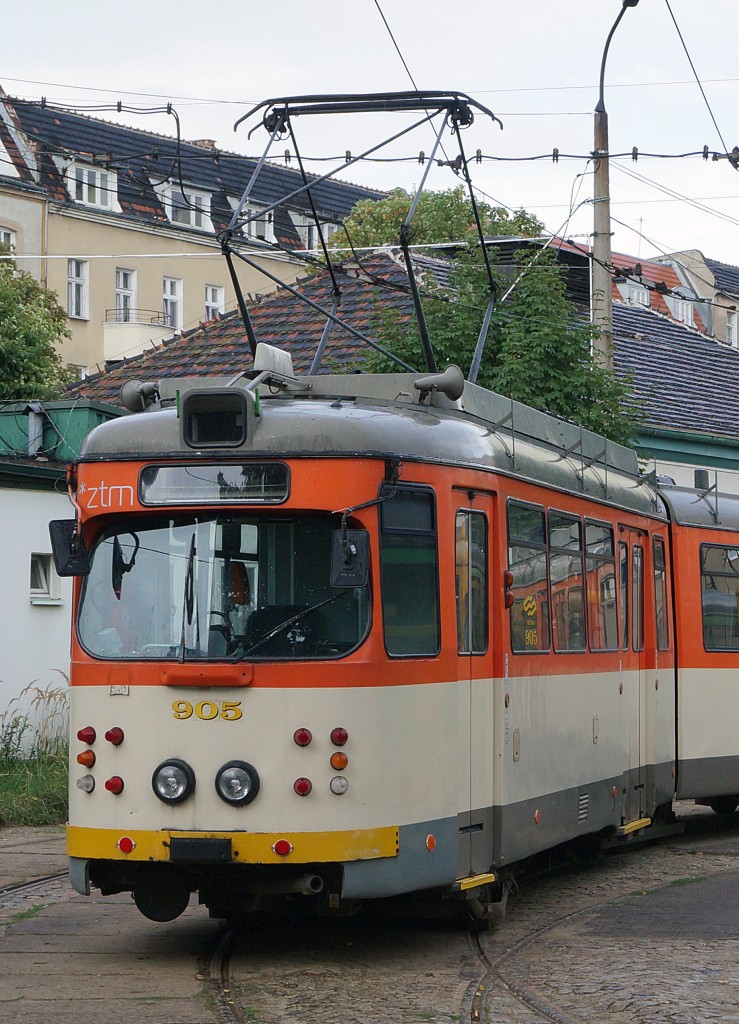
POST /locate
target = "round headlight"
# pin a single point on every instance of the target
(237, 782)
(173, 781)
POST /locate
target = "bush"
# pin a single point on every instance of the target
(33, 757)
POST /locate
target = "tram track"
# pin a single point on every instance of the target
(390, 968)
(221, 979)
(30, 884)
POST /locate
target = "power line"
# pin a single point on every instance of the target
(692, 66)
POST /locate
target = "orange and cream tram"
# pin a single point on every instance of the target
(356, 636)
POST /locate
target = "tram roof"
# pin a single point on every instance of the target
(383, 416)
(707, 508)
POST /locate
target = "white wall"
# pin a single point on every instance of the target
(34, 637)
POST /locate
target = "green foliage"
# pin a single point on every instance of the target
(444, 216)
(32, 325)
(33, 758)
(537, 352)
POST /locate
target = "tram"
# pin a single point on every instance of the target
(343, 637)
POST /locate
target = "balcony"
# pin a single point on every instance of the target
(128, 332)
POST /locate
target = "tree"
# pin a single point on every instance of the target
(538, 348)
(32, 325)
(444, 216)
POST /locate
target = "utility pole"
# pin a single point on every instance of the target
(601, 300)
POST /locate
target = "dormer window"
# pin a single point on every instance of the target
(92, 186)
(309, 232)
(255, 223)
(637, 294)
(190, 208)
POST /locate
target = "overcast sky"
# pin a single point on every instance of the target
(534, 63)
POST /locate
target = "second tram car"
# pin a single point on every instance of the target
(349, 637)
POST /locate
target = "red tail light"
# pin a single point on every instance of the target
(302, 737)
(302, 786)
(114, 736)
(86, 735)
(114, 784)
(339, 736)
(282, 847)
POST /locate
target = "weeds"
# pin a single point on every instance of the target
(33, 757)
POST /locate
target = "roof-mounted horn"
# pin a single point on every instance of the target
(449, 383)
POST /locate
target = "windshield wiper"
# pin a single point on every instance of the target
(188, 598)
(282, 626)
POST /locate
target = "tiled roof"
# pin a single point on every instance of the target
(683, 379)
(726, 276)
(220, 347)
(140, 158)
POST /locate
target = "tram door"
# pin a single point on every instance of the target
(472, 560)
(632, 684)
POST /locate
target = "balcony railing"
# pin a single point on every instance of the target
(138, 316)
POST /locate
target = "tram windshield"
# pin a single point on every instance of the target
(219, 588)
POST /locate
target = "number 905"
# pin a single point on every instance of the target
(208, 710)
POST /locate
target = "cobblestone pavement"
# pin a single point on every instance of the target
(648, 936)
(651, 936)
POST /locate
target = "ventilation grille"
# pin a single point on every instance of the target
(583, 805)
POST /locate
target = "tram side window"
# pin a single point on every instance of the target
(409, 574)
(471, 557)
(566, 575)
(720, 597)
(637, 598)
(527, 561)
(660, 595)
(623, 576)
(600, 569)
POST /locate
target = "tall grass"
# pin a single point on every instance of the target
(33, 756)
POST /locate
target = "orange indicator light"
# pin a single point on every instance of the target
(87, 758)
(339, 761)
(430, 843)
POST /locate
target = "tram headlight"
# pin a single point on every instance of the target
(237, 782)
(173, 781)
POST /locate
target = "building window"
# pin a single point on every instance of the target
(215, 300)
(7, 239)
(189, 208)
(44, 582)
(91, 186)
(259, 225)
(731, 328)
(172, 302)
(77, 277)
(125, 294)
(684, 311)
(308, 232)
(637, 294)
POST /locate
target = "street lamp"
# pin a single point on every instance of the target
(602, 303)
